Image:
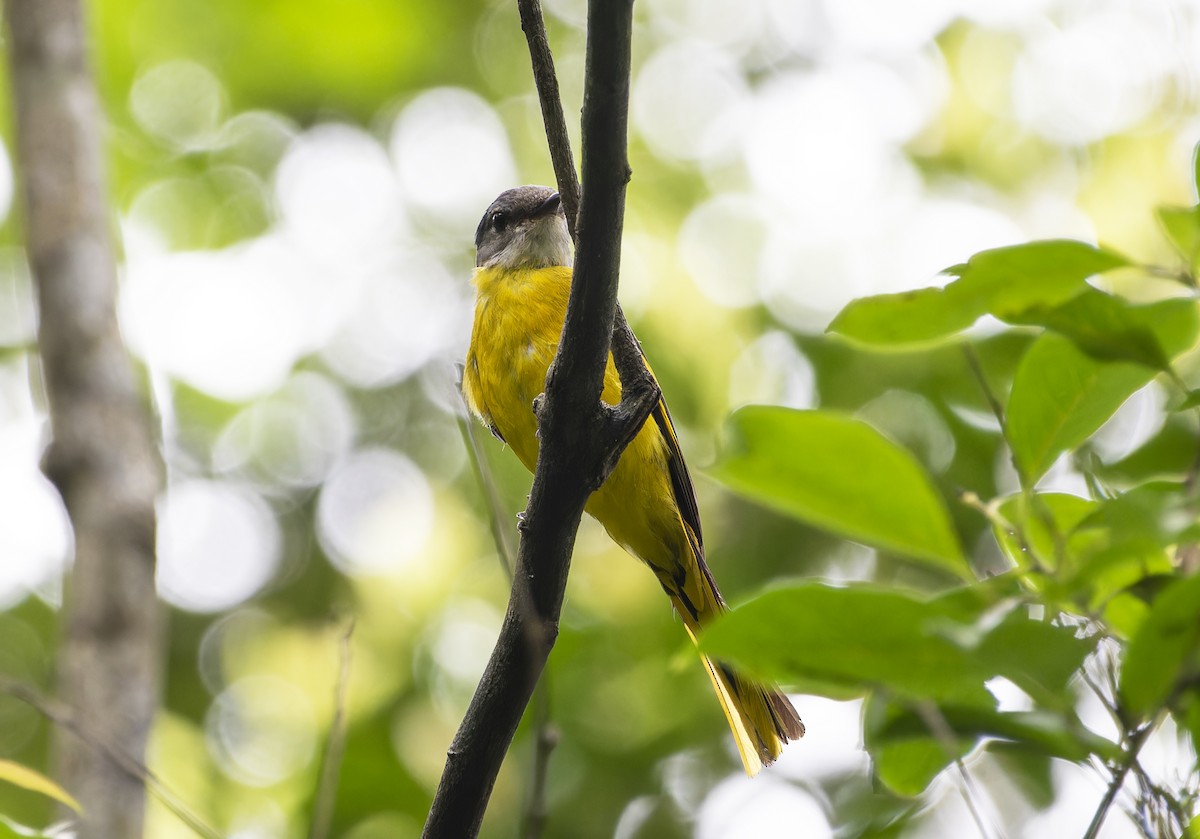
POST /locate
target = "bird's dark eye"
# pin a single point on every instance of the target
(499, 220)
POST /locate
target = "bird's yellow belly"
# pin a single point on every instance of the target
(512, 346)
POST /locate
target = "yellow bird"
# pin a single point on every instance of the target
(647, 505)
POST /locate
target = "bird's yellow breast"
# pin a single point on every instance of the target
(518, 321)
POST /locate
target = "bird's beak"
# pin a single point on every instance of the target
(550, 205)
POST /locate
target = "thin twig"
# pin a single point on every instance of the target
(1173, 811)
(938, 726)
(990, 510)
(1136, 740)
(500, 534)
(559, 141)
(546, 736)
(1026, 490)
(977, 371)
(61, 715)
(336, 744)
(546, 81)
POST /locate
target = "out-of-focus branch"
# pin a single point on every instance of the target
(940, 728)
(545, 741)
(102, 457)
(113, 753)
(581, 439)
(1135, 739)
(335, 745)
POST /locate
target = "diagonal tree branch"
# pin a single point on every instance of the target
(580, 439)
(103, 458)
(546, 733)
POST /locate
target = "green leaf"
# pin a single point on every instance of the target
(863, 637)
(1122, 540)
(1124, 613)
(1058, 734)
(908, 319)
(1189, 717)
(1034, 515)
(905, 756)
(1192, 400)
(1028, 771)
(30, 779)
(1164, 649)
(1182, 226)
(907, 767)
(908, 754)
(840, 474)
(1060, 396)
(10, 829)
(1038, 657)
(1161, 513)
(1169, 453)
(1103, 326)
(1196, 169)
(1034, 274)
(999, 281)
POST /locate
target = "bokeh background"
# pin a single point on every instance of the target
(296, 186)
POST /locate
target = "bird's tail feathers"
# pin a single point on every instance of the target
(760, 716)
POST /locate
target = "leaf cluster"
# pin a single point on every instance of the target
(1110, 568)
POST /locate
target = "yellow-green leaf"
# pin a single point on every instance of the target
(31, 779)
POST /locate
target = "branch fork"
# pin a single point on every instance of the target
(580, 440)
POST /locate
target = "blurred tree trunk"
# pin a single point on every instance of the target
(103, 458)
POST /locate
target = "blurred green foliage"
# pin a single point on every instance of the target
(873, 477)
(1115, 566)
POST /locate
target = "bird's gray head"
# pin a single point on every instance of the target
(523, 228)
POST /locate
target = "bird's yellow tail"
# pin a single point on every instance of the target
(760, 716)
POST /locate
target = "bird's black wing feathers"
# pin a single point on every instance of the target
(681, 481)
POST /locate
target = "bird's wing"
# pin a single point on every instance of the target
(681, 481)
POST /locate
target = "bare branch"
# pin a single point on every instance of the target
(103, 458)
(552, 111)
(580, 440)
(1136, 739)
